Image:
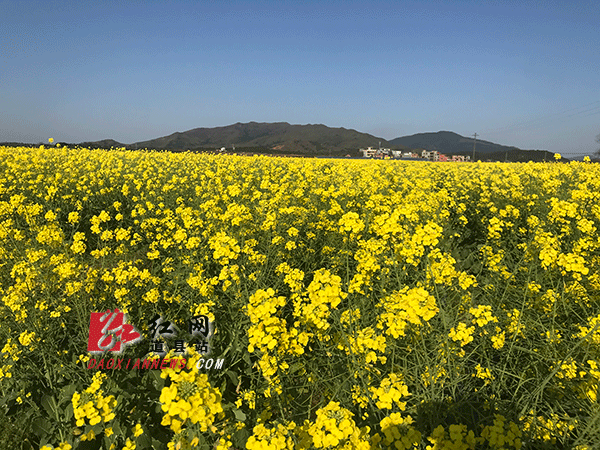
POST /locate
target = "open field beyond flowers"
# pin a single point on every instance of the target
(353, 304)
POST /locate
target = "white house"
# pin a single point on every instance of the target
(368, 152)
(431, 155)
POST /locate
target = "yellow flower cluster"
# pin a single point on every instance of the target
(433, 375)
(591, 330)
(247, 396)
(225, 248)
(391, 390)
(268, 334)
(26, 338)
(368, 255)
(498, 339)
(567, 369)
(398, 433)
(590, 388)
(276, 437)
(189, 399)
(406, 306)
(427, 235)
(462, 334)
(546, 429)
(351, 222)
(293, 278)
(365, 343)
(493, 258)
(502, 434)
(92, 404)
(61, 446)
(455, 438)
(335, 428)
(515, 326)
(484, 374)
(495, 228)
(572, 263)
(10, 354)
(441, 267)
(324, 294)
(483, 315)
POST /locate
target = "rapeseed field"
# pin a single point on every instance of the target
(347, 304)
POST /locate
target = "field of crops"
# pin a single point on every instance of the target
(352, 304)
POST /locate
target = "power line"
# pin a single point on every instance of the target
(550, 116)
(587, 110)
(592, 114)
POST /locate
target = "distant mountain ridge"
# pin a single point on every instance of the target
(449, 142)
(280, 137)
(318, 140)
(105, 143)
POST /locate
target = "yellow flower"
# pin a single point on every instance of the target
(138, 431)
(26, 338)
(153, 255)
(483, 315)
(498, 339)
(462, 334)
(73, 217)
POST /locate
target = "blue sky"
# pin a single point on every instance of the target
(517, 73)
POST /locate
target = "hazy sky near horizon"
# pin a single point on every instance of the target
(518, 73)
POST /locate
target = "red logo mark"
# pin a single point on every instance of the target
(108, 332)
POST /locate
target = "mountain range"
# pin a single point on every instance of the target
(280, 137)
(319, 140)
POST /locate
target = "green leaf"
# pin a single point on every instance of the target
(143, 441)
(116, 426)
(239, 415)
(69, 412)
(240, 437)
(49, 405)
(66, 393)
(98, 428)
(41, 427)
(157, 445)
(233, 377)
(202, 444)
(155, 375)
(296, 367)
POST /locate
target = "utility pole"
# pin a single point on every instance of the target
(474, 142)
